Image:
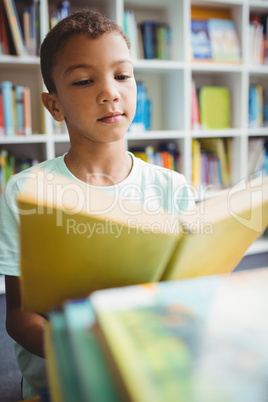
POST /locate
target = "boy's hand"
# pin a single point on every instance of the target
(24, 327)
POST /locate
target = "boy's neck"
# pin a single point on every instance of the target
(106, 168)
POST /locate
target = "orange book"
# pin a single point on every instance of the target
(27, 113)
(205, 13)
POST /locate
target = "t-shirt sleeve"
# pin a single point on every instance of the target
(9, 227)
(184, 197)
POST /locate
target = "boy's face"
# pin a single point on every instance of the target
(96, 88)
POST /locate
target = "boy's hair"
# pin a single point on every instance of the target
(87, 22)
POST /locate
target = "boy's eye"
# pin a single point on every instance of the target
(121, 77)
(84, 82)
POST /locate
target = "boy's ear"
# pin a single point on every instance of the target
(52, 105)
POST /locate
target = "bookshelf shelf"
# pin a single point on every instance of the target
(19, 60)
(158, 65)
(34, 138)
(232, 132)
(152, 135)
(168, 82)
(216, 67)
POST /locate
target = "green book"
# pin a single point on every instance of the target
(95, 381)
(215, 111)
(65, 369)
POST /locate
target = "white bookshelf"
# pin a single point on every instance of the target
(168, 83)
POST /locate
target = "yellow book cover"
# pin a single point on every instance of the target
(221, 149)
(215, 107)
(74, 241)
(52, 368)
(196, 162)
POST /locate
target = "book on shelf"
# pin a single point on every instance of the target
(60, 11)
(256, 155)
(19, 127)
(175, 341)
(10, 165)
(257, 106)
(196, 162)
(7, 94)
(16, 109)
(200, 41)
(15, 27)
(211, 162)
(165, 155)
(215, 107)
(4, 30)
(225, 44)
(214, 35)
(2, 121)
(258, 39)
(27, 113)
(220, 148)
(195, 111)
(131, 30)
(103, 240)
(142, 118)
(156, 40)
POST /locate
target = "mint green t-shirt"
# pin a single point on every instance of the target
(159, 190)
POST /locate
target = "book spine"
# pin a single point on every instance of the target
(3, 30)
(27, 115)
(32, 30)
(2, 121)
(8, 108)
(19, 109)
(15, 27)
(27, 29)
(195, 108)
(147, 37)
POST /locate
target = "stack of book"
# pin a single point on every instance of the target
(167, 155)
(15, 38)
(15, 110)
(182, 340)
(214, 36)
(9, 165)
(211, 162)
(62, 11)
(258, 39)
(149, 39)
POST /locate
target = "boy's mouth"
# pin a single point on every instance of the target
(109, 118)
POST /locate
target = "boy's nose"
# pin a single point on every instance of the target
(109, 93)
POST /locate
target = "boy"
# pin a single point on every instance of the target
(88, 72)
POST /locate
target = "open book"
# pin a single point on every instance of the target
(76, 239)
(199, 339)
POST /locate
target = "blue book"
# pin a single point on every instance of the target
(6, 88)
(95, 380)
(148, 30)
(201, 48)
(252, 109)
(19, 109)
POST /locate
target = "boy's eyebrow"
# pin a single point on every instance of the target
(87, 66)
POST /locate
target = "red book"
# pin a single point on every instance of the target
(5, 48)
(27, 113)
